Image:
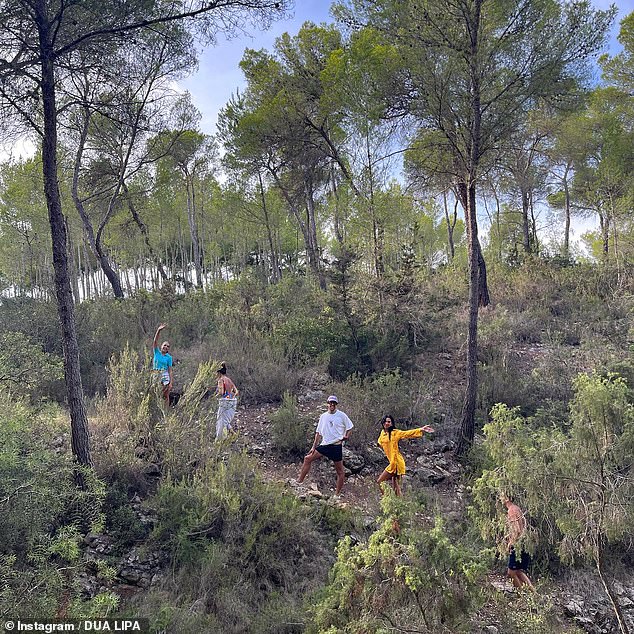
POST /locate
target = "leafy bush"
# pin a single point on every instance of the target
(261, 371)
(42, 512)
(290, 430)
(528, 612)
(573, 480)
(225, 528)
(26, 370)
(433, 579)
(122, 523)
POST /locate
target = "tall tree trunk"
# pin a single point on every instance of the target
(526, 235)
(604, 224)
(566, 252)
(478, 291)
(95, 242)
(534, 237)
(193, 229)
(308, 227)
(451, 225)
(276, 271)
(80, 439)
(144, 232)
(467, 422)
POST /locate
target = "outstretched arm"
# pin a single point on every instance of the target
(156, 335)
(417, 432)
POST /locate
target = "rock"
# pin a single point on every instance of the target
(585, 622)
(502, 586)
(353, 461)
(429, 476)
(311, 395)
(573, 607)
(132, 575)
(619, 588)
(491, 629)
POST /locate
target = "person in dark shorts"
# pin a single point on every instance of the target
(517, 568)
(333, 429)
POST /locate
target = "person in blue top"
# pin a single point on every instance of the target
(162, 364)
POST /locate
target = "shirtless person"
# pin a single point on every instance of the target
(516, 526)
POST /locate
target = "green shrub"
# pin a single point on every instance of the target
(43, 512)
(406, 577)
(122, 522)
(26, 370)
(259, 369)
(291, 431)
(227, 529)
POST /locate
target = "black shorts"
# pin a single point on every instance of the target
(334, 452)
(523, 563)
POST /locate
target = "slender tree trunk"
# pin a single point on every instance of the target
(467, 423)
(534, 238)
(193, 228)
(604, 224)
(607, 586)
(526, 236)
(566, 252)
(478, 292)
(144, 232)
(451, 225)
(276, 271)
(80, 440)
(95, 242)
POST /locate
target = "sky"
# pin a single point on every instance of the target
(219, 76)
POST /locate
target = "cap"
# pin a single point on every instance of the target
(333, 399)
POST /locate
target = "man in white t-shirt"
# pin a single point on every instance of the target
(333, 429)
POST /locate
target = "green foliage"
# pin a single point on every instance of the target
(121, 521)
(225, 528)
(42, 512)
(101, 606)
(25, 369)
(574, 480)
(406, 576)
(290, 429)
(528, 612)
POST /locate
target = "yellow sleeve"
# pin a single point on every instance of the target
(409, 433)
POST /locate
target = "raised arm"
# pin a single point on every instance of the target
(156, 335)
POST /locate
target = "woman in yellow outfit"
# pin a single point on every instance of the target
(388, 440)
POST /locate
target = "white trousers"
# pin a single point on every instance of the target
(226, 411)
